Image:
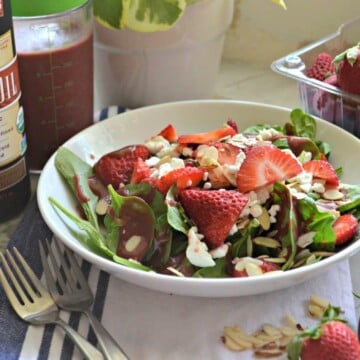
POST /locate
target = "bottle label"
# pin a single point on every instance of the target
(12, 125)
(6, 49)
(12, 175)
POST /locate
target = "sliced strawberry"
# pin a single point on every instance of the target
(214, 212)
(183, 177)
(116, 168)
(265, 165)
(227, 153)
(140, 172)
(322, 67)
(322, 169)
(207, 137)
(169, 133)
(345, 227)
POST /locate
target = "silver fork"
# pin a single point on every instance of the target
(71, 291)
(32, 302)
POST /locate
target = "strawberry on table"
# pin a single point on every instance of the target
(214, 212)
(116, 167)
(322, 169)
(345, 227)
(207, 137)
(332, 339)
(265, 165)
(188, 176)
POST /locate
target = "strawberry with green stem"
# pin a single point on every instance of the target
(348, 69)
(331, 339)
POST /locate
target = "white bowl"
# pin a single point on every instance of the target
(190, 116)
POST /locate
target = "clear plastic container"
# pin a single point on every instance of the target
(319, 98)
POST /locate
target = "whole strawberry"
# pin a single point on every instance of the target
(321, 68)
(214, 212)
(332, 339)
(348, 70)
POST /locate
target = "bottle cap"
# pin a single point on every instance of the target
(43, 7)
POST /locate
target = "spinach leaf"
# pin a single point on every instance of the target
(353, 193)
(217, 271)
(175, 213)
(287, 226)
(77, 172)
(304, 125)
(94, 237)
(255, 129)
(239, 239)
(320, 222)
(161, 245)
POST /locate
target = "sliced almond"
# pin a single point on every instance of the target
(267, 242)
(101, 207)
(271, 330)
(264, 219)
(231, 344)
(238, 337)
(253, 269)
(333, 194)
(319, 301)
(316, 311)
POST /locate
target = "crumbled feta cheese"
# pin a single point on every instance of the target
(318, 187)
(305, 156)
(207, 185)
(186, 151)
(168, 150)
(230, 171)
(256, 210)
(274, 209)
(152, 161)
(156, 144)
(197, 251)
(175, 163)
(266, 134)
(263, 195)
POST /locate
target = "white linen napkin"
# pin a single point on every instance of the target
(152, 325)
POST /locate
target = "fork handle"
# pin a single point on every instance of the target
(108, 345)
(87, 349)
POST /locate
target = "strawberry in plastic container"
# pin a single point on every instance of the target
(348, 69)
(343, 73)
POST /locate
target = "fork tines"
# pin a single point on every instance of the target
(63, 267)
(20, 284)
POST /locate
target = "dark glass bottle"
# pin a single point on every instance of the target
(14, 176)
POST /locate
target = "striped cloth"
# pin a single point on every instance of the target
(17, 339)
(150, 325)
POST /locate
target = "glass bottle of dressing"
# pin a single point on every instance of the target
(14, 177)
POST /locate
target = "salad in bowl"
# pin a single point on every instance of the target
(222, 203)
